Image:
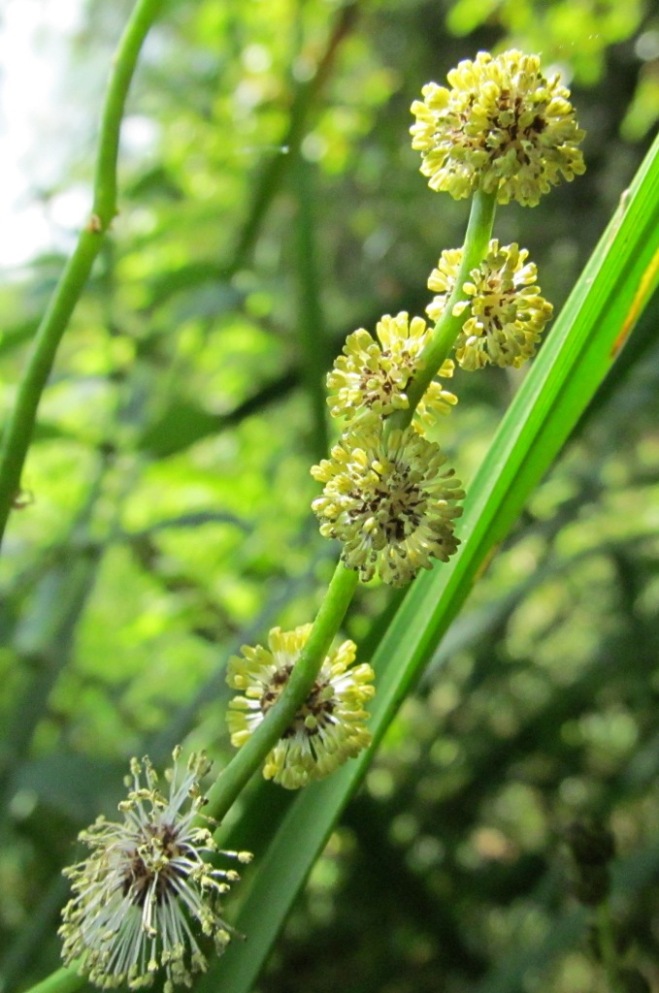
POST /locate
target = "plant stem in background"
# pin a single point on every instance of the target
(303, 98)
(606, 939)
(20, 425)
(311, 332)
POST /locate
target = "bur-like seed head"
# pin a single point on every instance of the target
(507, 315)
(328, 728)
(502, 128)
(390, 500)
(372, 374)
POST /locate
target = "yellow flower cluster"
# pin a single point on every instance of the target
(329, 726)
(387, 498)
(371, 376)
(390, 500)
(506, 312)
(505, 130)
(502, 128)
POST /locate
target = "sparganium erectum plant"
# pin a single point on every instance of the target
(145, 901)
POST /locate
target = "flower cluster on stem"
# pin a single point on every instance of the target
(329, 725)
(390, 500)
(371, 376)
(507, 315)
(502, 128)
(390, 496)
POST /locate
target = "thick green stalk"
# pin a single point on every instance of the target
(250, 757)
(477, 240)
(342, 587)
(20, 425)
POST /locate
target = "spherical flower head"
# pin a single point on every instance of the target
(507, 313)
(502, 128)
(371, 376)
(390, 500)
(145, 884)
(330, 725)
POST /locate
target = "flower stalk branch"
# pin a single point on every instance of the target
(20, 425)
(64, 980)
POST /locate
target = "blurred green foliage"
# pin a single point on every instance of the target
(270, 205)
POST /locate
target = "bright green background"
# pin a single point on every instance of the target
(275, 213)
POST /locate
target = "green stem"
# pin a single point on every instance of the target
(305, 96)
(448, 327)
(245, 763)
(607, 946)
(310, 318)
(340, 592)
(20, 425)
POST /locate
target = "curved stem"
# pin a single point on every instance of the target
(234, 777)
(18, 430)
(342, 587)
(246, 761)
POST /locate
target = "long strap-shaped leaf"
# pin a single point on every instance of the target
(606, 302)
